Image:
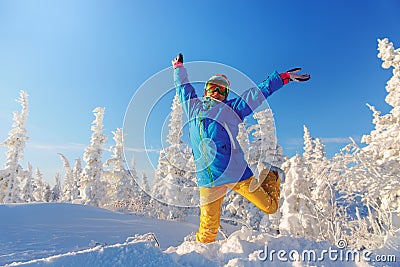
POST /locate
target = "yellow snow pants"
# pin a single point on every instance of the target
(266, 198)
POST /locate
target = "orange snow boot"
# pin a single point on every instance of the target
(271, 184)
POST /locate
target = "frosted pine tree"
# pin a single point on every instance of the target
(150, 206)
(319, 150)
(46, 192)
(145, 182)
(383, 141)
(132, 169)
(179, 157)
(92, 189)
(314, 153)
(77, 174)
(11, 175)
(317, 172)
(27, 186)
(121, 187)
(38, 186)
(70, 189)
(117, 158)
(175, 123)
(141, 202)
(298, 212)
(315, 168)
(362, 186)
(309, 145)
(323, 179)
(314, 149)
(264, 144)
(171, 185)
(56, 193)
(190, 175)
(237, 210)
(243, 139)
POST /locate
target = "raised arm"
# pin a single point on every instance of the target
(253, 97)
(186, 93)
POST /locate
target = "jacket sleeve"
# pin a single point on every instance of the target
(186, 92)
(253, 97)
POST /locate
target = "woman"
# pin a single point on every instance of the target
(213, 126)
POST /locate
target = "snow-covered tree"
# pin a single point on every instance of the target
(361, 184)
(372, 172)
(383, 141)
(175, 123)
(174, 182)
(117, 158)
(354, 195)
(298, 211)
(145, 182)
(70, 188)
(56, 193)
(309, 145)
(150, 206)
(122, 190)
(314, 149)
(264, 144)
(27, 186)
(314, 159)
(243, 139)
(308, 199)
(10, 177)
(319, 150)
(323, 196)
(47, 194)
(92, 188)
(77, 174)
(38, 186)
(237, 210)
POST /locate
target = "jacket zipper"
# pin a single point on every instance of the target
(204, 149)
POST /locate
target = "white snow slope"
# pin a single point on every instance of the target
(60, 234)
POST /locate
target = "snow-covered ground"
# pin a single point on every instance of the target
(34, 231)
(60, 234)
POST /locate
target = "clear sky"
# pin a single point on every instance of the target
(72, 56)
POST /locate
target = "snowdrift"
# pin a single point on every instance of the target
(76, 235)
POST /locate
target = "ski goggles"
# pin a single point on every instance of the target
(211, 88)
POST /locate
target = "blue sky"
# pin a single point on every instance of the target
(72, 56)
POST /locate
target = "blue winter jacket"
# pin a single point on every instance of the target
(213, 127)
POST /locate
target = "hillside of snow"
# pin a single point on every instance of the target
(60, 234)
(40, 230)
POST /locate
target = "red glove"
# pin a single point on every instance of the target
(291, 75)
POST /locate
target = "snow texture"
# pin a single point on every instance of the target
(55, 234)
